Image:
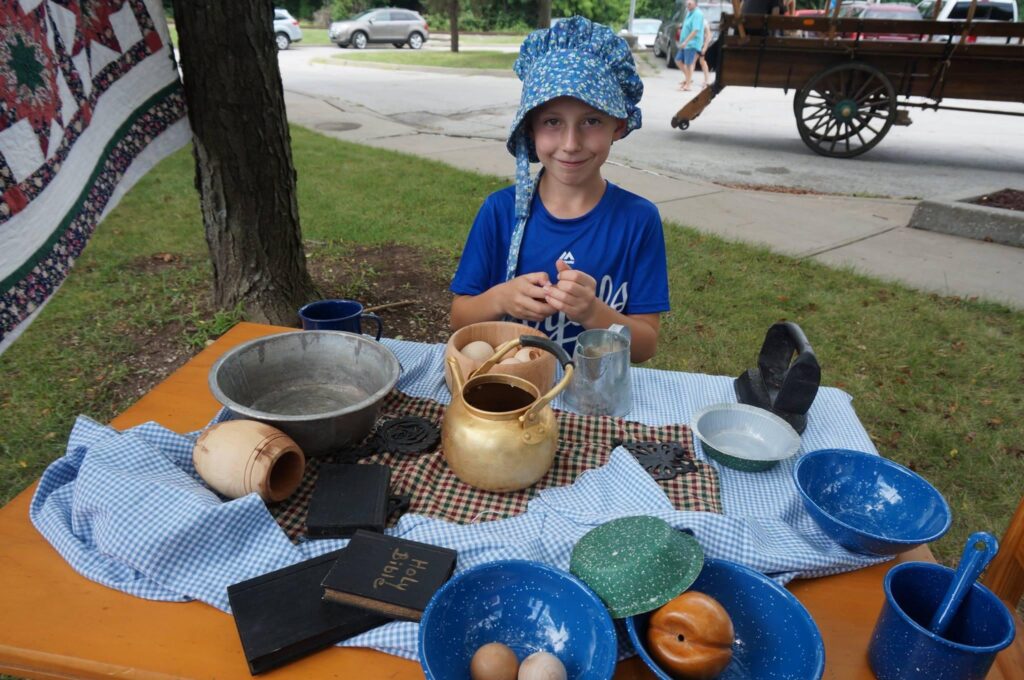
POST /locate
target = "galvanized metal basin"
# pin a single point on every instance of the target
(322, 388)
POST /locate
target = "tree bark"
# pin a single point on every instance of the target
(242, 149)
(453, 19)
(544, 14)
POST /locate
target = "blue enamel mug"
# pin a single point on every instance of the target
(902, 647)
(337, 315)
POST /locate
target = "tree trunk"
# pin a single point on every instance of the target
(544, 14)
(242, 148)
(453, 18)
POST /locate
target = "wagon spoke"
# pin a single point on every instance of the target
(864, 98)
(876, 114)
(818, 118)
(860, 91)
(862, 142)
(827, 124)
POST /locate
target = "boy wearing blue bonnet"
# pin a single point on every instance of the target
(568, 250)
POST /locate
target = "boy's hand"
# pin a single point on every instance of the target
(574, 294)
(524, 297)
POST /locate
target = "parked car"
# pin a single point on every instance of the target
(809, 14)
(645, 30)
(956, 10)
(286, 29)
(385, 25)
(666, 42)
(898, 11)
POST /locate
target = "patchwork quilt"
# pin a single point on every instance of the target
(90, 100)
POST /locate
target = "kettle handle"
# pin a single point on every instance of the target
(567, 366)
(548, 345)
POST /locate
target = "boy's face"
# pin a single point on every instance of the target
(573, 139)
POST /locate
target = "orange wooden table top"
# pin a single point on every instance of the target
(57, 624)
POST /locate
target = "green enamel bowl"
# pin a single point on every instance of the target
(636, 564)
(744, 437)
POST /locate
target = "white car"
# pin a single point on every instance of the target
(286, 29)
(956, 10)
(645, 30)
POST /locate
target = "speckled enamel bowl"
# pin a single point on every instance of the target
(744, 437)
(776, 639)
(528, 606)
(869, 504)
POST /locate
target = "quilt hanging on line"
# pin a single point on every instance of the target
(89, 101)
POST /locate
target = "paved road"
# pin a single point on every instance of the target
(746, 136)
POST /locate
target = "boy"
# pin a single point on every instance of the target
(568, 251)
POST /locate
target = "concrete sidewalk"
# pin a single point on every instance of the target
(868, 235)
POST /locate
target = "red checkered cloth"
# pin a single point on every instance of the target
(585, 442)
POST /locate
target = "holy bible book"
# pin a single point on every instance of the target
(281, 616)
(388, 575)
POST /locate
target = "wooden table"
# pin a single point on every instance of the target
(57, 624)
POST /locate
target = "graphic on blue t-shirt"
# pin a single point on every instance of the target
(620, 243)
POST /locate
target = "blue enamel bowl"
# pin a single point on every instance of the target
(776, 638)
(869, 504)
(530, 607)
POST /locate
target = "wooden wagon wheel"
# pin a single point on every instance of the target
(845, 110)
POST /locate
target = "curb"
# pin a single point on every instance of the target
(334, 61)
(957, 217)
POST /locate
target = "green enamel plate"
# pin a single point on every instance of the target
(636, 564)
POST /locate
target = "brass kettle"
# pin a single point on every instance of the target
(499, 433)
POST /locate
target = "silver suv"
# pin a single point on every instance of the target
(286, 29)
(387, 25)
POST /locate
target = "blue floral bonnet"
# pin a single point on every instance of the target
(574, 58)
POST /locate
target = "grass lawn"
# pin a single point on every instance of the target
(484, 59)
(489, 39)
(937, 382)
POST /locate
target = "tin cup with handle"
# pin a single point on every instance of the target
(937, 624)
(338, 315)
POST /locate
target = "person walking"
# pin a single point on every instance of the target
(691, 44)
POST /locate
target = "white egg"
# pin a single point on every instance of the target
(478, 350)
(542, 666)
(510, 360)
(527, 354)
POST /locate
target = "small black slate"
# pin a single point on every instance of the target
(281, 616)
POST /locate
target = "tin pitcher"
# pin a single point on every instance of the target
(602, 385)
(499, 433)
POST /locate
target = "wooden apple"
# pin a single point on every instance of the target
(691, 637)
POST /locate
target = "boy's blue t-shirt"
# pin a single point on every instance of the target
(620, 243)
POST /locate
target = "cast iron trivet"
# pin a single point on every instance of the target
(662, 460)
(406, 435)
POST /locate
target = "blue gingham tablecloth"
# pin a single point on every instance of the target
(127, 509)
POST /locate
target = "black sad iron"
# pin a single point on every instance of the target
(787, 376)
